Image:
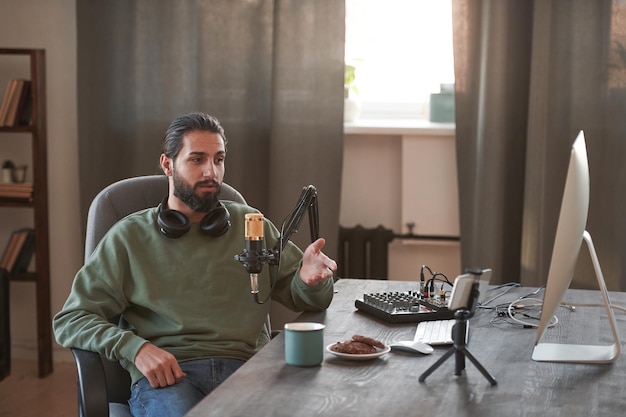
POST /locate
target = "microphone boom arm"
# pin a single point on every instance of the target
(306, 202)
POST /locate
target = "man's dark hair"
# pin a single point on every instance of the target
(173, 140)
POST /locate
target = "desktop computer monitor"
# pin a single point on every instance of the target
(568, 240)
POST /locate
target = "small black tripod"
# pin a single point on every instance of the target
(460, 331)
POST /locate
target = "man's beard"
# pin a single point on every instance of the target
(187, 194)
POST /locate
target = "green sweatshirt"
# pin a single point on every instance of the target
(188, 296)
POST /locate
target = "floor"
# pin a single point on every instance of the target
(24, 394)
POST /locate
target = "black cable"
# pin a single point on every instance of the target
(428, 286)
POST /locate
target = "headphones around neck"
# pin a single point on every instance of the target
(174, 224)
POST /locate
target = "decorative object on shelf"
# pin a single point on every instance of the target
(351, 102)
(442, 105)
(18, 174)
(7, 170)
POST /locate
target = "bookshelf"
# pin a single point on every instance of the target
(38, 203)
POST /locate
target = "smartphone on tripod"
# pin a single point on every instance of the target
(461, 291)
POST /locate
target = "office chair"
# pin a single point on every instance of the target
(103, 385)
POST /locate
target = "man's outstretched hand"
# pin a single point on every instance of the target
(316, 266)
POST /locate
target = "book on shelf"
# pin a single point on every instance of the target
(16, 105)
(8, 94)
(25, 112)
(19, 250)
(26, 251)
(16, 190)
(5, 102)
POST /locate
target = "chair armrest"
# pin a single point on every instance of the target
(92, 386)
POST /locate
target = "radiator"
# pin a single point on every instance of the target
(363, 253)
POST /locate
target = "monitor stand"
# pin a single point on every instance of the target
(560, 352)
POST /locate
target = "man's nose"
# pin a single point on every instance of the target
(209, 170)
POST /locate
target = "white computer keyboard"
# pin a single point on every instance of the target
(434, 332)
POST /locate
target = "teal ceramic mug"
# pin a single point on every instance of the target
(304, 344)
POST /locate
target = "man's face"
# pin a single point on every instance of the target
(198, 170)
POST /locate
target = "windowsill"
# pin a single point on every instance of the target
(397, 127)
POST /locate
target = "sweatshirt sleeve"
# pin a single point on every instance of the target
(290, 290)
(311, 298)
(87, 320)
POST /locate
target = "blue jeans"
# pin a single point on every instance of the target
(203, 376)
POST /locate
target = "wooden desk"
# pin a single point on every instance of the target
(389, 386)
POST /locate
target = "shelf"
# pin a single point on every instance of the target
(38, 203)
(16, 202)
(24, 277)
(398, 128)
(16, 129)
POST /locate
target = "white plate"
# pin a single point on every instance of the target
(362, 357)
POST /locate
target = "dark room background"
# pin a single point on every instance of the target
(270, 70)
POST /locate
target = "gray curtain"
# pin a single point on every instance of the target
(270, 70)
(529, 76)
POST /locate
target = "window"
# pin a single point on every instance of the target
(402, 51)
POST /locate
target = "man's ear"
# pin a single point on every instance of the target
(166, 165)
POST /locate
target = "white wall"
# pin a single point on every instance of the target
(51, 25)
(399, 176)
(394, 177)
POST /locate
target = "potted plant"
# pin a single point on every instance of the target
(7, 170)
(349, 81)
(351, 104)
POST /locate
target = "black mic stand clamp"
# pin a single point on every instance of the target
(253, 262)
(460, 333)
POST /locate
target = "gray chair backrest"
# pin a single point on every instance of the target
(127, 196)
